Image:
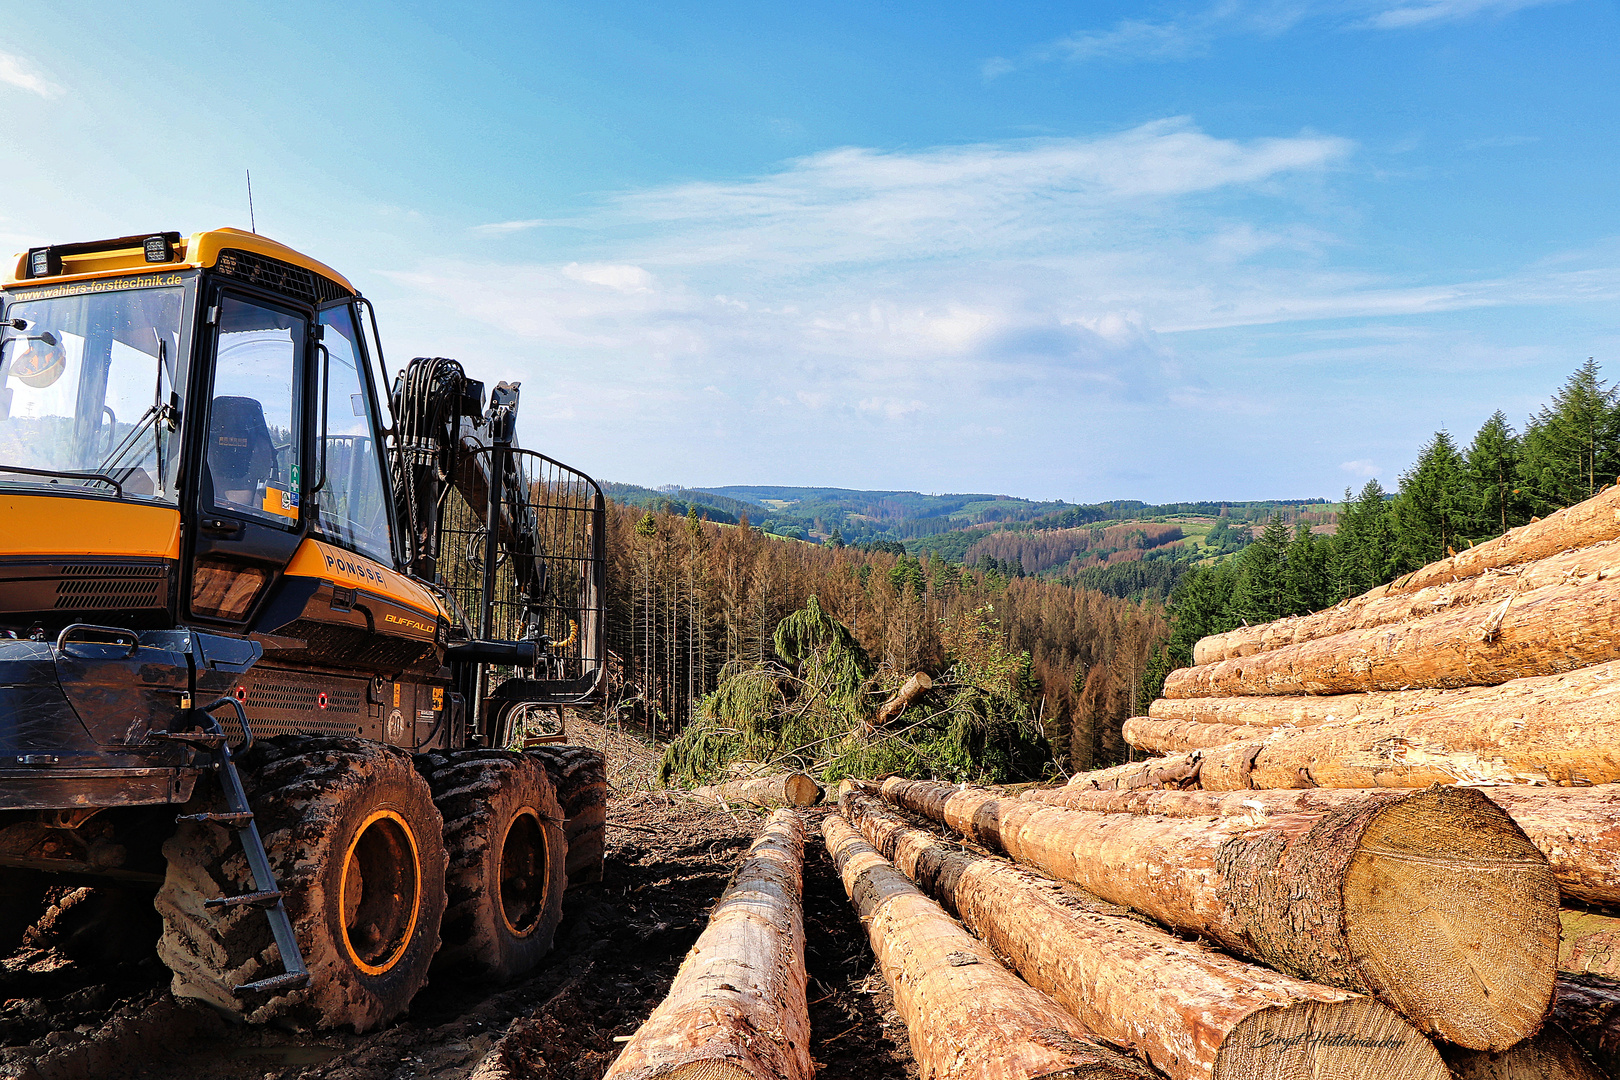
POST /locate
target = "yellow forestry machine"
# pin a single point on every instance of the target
(274, 633)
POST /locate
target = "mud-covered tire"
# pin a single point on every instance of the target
(579, 776)
(508, 859)
(22, 902)
(358, 851)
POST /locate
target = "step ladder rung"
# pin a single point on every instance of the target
(221, 819)
(275, 982)
(208, 740)
(269, 896)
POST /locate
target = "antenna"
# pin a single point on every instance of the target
(252, 224)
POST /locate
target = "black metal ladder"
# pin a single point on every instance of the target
(238, 815)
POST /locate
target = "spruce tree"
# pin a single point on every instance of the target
(1363, 553)
(1432, 511)
(1257, 594)
(1493, 477)
(1572, 445)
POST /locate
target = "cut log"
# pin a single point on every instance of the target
(1194, 1012)
(1588, 522)
(1588, 1008)
(1167, 772)
(737, 1010)
(785, 789)
(1589, 944)
(1545, 631)
(1381, 607)
(1577, 829)
(968, 1017)
(1178, 736)
(914, 688)
(1550, 1055)
(1307, 710)
(1435, 901)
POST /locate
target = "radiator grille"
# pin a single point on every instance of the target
(100, 586)
(288, 703)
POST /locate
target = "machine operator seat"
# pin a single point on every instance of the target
(241, 454)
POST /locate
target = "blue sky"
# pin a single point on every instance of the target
(1159, 251)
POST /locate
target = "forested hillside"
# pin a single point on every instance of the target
(688, 598)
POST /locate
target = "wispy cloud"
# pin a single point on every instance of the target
(1195, 31)
(1436, 11)
(20, 73)
(1363, 468)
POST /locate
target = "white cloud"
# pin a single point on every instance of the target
(1361, 467)
(20, 73)
(625, 279)
(1435, 11)
(1133, 39)
(497, 228)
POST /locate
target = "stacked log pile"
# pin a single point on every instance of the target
(1496, 670)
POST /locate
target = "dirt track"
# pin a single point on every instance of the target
(68, 1009)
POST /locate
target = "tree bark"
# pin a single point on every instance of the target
(1577, 829)
(737, 1010)
(1550, 1055)
(914, 688)
(1434, 901)
(1380, 607)
(969, 1018)
(784, 789)
(1196, 1013)
(1589, 944)
(1588, 1008)
(1546, 631)
(1171, 772)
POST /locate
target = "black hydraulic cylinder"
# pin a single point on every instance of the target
(514, 653)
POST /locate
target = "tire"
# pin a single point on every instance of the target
(579, 776)
(332, 813)
(508, 859)
(22, 902)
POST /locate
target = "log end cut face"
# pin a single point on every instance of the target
(1358, 1039)
(1451, 915)
(708, 1070)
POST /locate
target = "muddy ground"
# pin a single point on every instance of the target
(86, 996)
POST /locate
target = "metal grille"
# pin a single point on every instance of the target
(550, 577)
(288, 703)
(94, 586)
(278, 276)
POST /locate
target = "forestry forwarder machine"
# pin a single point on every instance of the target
(267, 642)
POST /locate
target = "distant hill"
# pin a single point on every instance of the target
(1055, 538)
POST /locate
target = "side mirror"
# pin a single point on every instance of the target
(38, 360)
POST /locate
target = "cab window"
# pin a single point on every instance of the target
(353, 504)
(253, 438)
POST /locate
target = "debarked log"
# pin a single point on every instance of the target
(1305, 710)
(1589, 943)
(1196, 1013)
(1545, 631)
(737, 1009)
(968, 1017)
(1381, 607)
(1577, 829)
(1434, 901)
(784, 789)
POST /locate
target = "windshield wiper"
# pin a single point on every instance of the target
(65, 474)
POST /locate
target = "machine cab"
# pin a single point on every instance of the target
(177, 417)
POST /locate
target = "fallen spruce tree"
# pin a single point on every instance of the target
(968, 1017)
(1382, 608)
(1195, 1013)
(1577, 829)
(784, 789)
(1433, 901)
(737, 1009)
(1545, 631)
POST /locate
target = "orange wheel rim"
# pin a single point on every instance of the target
(380, 892)
(525, 876)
